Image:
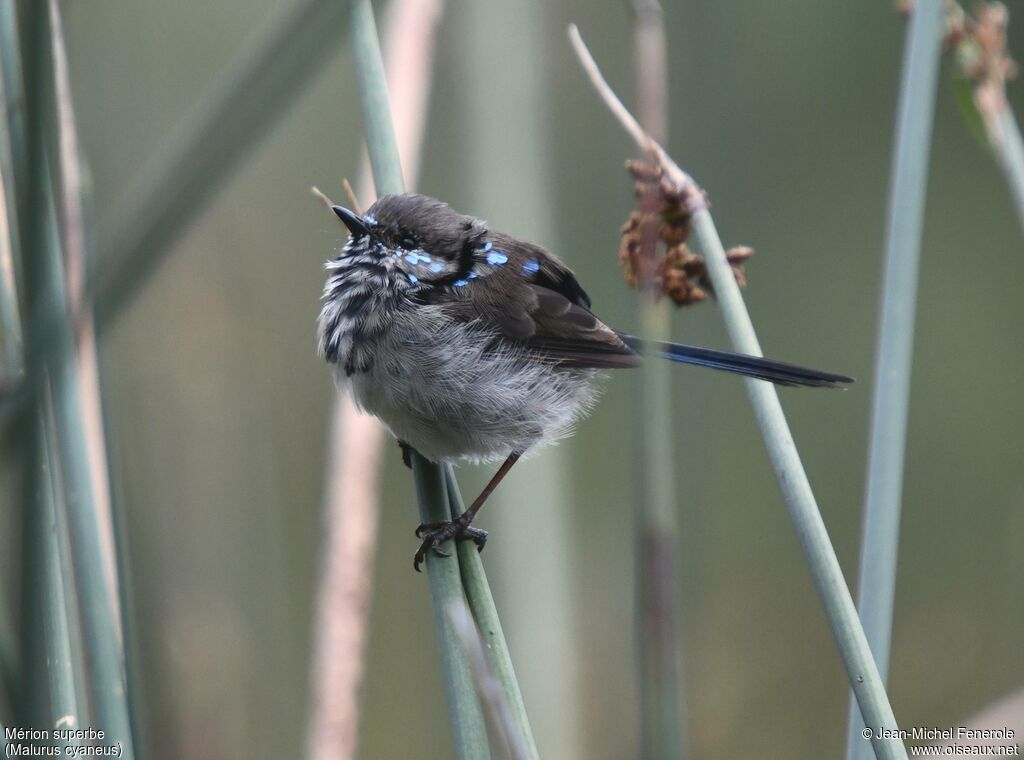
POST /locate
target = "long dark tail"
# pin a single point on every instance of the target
(779, 373)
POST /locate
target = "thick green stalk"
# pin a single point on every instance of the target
(12, 370)
(826, 573)
(880, 540)
(47, 631)
(352, 485)
(57, 580)
(469, 733)
(481, 604)
(487, 684)
(74, 200)
(373, 90)
(468, 728)
(492, 92)
(29, 196)
(11, 127)
(47, 305)
(796, 489)
(97, 597)
(12, 166)
(14, 105)
(803, 509)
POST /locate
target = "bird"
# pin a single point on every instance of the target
(470, 344)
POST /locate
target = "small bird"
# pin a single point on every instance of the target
(470, 344)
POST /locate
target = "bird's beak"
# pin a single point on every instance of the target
(355, 223)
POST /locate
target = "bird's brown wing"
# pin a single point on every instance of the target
(532, 299)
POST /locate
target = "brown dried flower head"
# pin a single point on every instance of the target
(663, 221)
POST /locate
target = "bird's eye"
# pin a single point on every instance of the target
(408, 242)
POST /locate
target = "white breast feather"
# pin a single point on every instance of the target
(442, 391)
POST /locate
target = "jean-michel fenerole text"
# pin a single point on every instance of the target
(959, 733)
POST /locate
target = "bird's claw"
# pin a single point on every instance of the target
(434, 534)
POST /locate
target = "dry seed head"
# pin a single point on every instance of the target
(664, 213)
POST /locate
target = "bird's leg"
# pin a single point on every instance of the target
(459, 528)
(467, 517)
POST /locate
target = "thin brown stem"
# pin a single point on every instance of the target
(660, 688)
(643, 140)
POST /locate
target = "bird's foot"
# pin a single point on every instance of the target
(433, 534)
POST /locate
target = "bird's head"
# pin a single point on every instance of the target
(409, 222)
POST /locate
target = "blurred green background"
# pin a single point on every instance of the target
(218, 406)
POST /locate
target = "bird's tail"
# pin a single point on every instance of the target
(757, 367)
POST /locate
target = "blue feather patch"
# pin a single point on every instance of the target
(531, 267)
(497, 258)
(416, 257)
(459, 283)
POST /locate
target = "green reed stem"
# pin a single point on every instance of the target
(880, 540)
(30, 201)
(485, 613)
(12, 369)
(796, 489)
(14, 110)
(819, 553)
(62, 669)
(469, 732)
(12, 166)
(74, 203)
(487, 684)
(52, 359)
(373, 91)
(468, 728)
